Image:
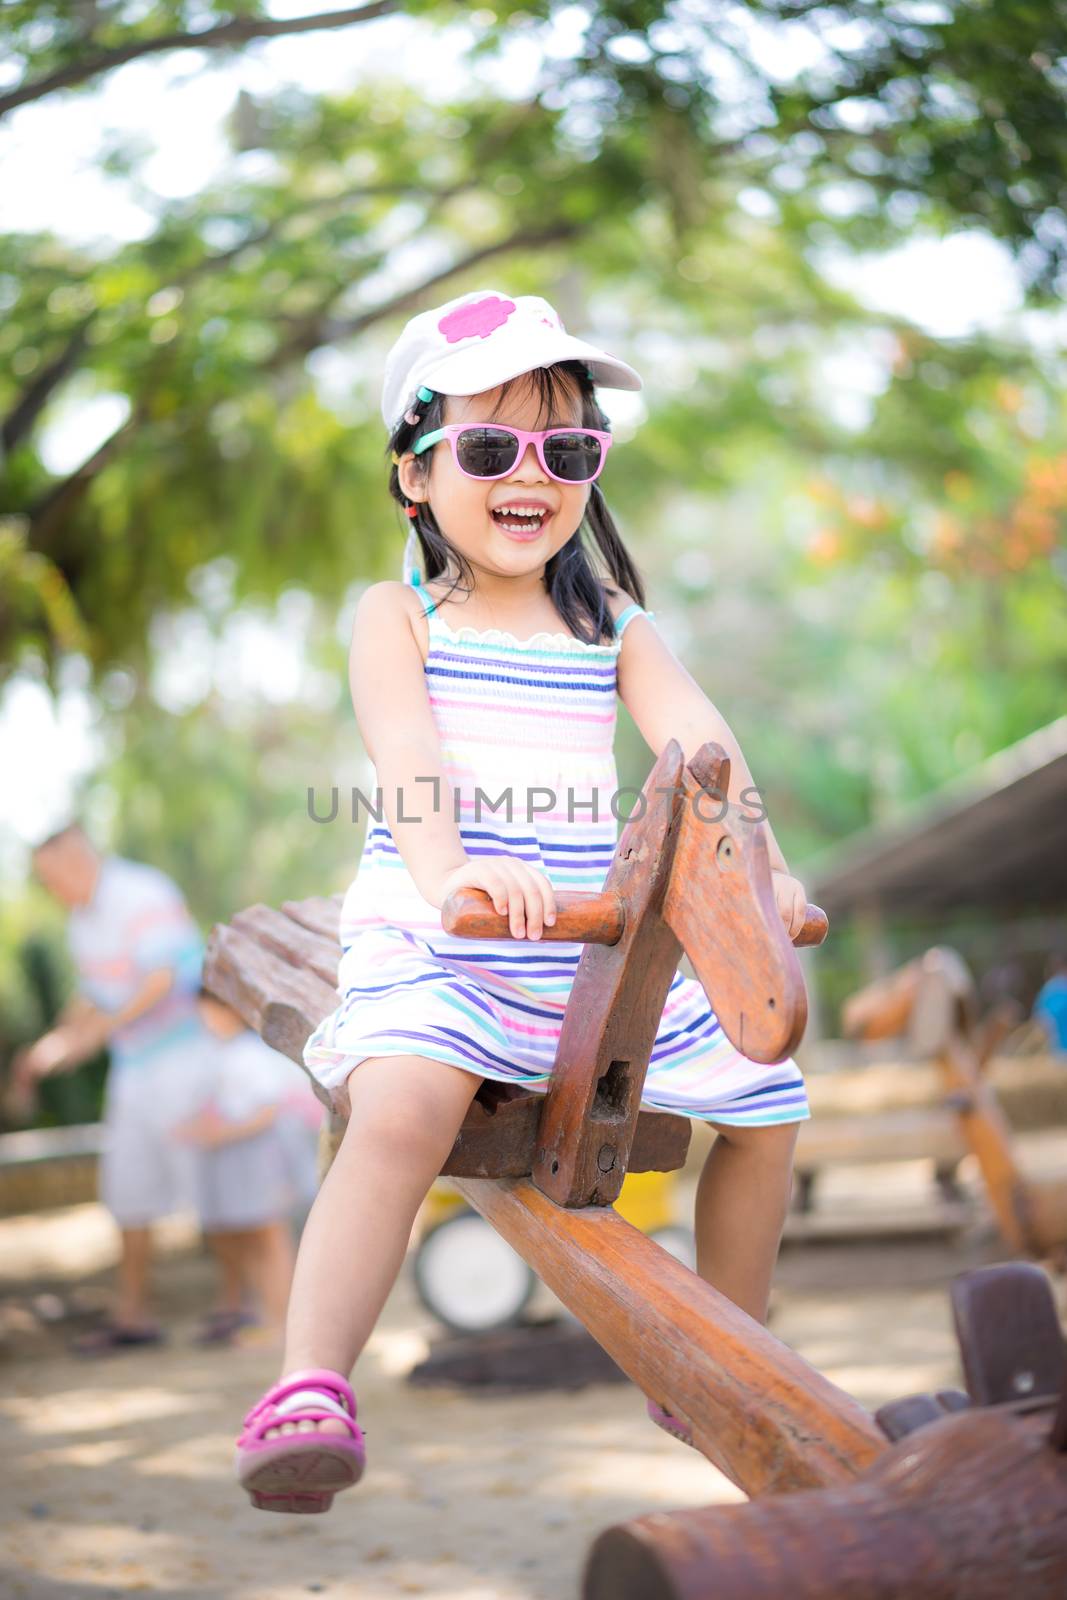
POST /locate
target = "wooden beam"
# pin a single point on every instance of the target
(973, 1505)
(758, 1411)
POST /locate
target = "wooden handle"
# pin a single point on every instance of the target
(583, 918)
(580, 918)
(816, 926)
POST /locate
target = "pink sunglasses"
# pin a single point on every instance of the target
(488, 450)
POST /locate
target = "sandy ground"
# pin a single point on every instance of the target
(117, 1474)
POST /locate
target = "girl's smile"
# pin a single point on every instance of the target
(545, 513)
(523, 517)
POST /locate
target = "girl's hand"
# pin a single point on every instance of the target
(791, 900)
(521, 893)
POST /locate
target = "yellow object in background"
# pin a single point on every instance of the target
(647, 1200)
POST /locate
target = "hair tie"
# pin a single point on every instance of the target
(410, 570)
(411, 511)
(410, 416)
(395, 459)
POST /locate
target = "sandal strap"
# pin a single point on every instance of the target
(332, 1383)
(313, 1399)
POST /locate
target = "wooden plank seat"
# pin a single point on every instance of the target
(278, 969)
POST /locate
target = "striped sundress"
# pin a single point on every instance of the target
(525, 725)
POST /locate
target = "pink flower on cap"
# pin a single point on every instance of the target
(482, 318)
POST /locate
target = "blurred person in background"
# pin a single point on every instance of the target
(255, 1137)
(138, 956)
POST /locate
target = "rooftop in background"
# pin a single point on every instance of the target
(994, 839)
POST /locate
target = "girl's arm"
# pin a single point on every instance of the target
(386, 677)
(666, 703)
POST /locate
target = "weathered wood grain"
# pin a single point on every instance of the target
(613, 1013)
(761, 1413)
(973, 1505)
(291, 940)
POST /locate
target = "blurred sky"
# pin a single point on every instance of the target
(176, 107)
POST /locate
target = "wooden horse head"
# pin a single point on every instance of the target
(690, 874)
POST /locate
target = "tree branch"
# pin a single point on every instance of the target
(24, 413)
(312, 333)
(63, 496)
(26, 409)
(318, 331)
(239, 30)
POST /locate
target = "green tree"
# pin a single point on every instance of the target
(624, 167)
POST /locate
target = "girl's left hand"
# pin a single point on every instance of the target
(791, 900)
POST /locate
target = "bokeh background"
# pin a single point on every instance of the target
(830, 236)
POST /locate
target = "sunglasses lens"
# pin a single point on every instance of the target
(486, 452)
(573, 456)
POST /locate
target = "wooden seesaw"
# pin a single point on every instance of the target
(932, 1001)
(842, 1505)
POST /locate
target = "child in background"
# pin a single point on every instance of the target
(256, 1165)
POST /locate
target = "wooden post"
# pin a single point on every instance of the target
(613, 1012)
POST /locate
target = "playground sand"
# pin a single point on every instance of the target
(117, 1474)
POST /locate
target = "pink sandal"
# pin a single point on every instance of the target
(671, 1424)
(301, 1471)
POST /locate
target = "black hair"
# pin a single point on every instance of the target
(571, 580)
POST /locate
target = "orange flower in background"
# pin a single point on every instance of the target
(866, 512)
(823, 491)
(1034, 526)
(948, 537)
(1009, 396)
(958, 485)
(825, 546)
(1048, 479)
(970, 538)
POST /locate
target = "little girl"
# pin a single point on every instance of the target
(485, 692)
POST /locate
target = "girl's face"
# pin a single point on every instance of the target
(464, 506)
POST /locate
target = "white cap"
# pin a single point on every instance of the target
(480, 340)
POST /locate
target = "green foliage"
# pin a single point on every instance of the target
(873, 606)
(627, 166)
(35, 981)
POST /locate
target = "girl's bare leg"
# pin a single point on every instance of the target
(741, 1206)
(406, 1112)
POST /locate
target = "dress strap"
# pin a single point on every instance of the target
(429, 605)
(628, 615)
